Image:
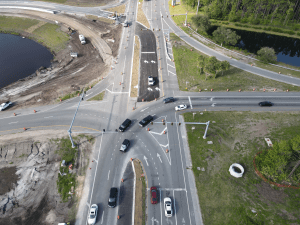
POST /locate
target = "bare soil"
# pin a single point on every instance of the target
(138, 214)
(30, 195)
(67, 74)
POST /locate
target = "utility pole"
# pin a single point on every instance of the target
(198, 7)
(186, 20)
(69, 131)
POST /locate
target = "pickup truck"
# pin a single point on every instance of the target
(5, 105)
(82, 39)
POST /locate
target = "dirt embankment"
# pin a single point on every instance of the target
(67, 74)
(29, 169)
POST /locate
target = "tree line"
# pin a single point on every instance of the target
(268, 12)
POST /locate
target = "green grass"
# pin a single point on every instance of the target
(98, 97)
(144, 201)
(51, 36)
(181, 8)
(232, 79)
(237, 137)
(16, 23)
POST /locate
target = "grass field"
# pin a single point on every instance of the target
(135, 68)
(232, 79)
(51, 36)
(98, 97)
(237, 137)
(140, 195)
(16, 23)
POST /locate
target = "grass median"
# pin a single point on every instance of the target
(141, 16)
(98, 97)
(140, 195)
(190, 79)
(236, 138)
(135, 68)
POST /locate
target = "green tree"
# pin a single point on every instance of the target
(211, 65)
(201, 22)
(267, 55)
(201, 62)
(227, 36)
(224, 65)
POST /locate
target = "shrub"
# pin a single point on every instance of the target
(290, 32)
(267, 55)
(298, 33)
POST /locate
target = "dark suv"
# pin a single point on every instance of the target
(112, 200)
(124, 125)
(167, 100)
(124, 145)
(145, 121)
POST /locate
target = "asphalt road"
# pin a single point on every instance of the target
(148, 65)
(165, 170)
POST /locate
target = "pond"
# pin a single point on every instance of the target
(20, 57)
(287, 49)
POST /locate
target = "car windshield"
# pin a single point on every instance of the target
(154, 199)
(92, 216)
(111, 199)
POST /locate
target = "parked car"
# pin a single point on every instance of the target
(124, 125)
(153, 191)
(5, 105)
(151, 81)
(124, 145)
(180, 107)
(167, 100)
(168, 207)
(146, 120)
(265, 103)
(112, 200)
(93, 214)
(125, 24)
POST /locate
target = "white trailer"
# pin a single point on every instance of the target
(82, 39)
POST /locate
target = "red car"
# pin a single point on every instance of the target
(153, 191)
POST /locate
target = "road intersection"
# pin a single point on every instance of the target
(163, 148)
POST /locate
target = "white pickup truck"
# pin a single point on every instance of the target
(5, 105)
(82, 39)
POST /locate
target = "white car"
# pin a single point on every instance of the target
(93, 214)
(5, 105)
(150, 81)
(180, 107)
(168, 207)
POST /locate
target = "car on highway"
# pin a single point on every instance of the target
(124, 145)
(151, 81)
(167, 100)
(124, 125)
(112, 200)
(180, 107)
(153, 191)
(5, 105)
(93, 214)
(265, 103)
(168, 207)
(146, 120)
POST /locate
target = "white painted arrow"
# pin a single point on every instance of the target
(213, 105)
(211, 99)
(150, 89)
(146, 61)
(145, 158)
(158, 155)
(152, 61)
(157, 89)
(154, 220)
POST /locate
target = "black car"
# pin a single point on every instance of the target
(145, 121)
(265, 103)
(124, 125)
(167, 100)
(124, 145)
(112, 200)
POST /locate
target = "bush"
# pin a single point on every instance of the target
(298, 33)
(277, 30)
(290, 32)
(255, 21)
(267, 55)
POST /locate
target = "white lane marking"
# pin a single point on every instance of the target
(158, 155)
(147, 52)
(175, 207)
(145, 158)
(171, 72)
(160, 205)
(48, 117)
(89, 94)
(13, 122)
(90, 104)
(144, 109)
(102, 217)
(95, 173)
(170, 65)
(213, 105)
(183, 170)
(108, 175)
(190, 102)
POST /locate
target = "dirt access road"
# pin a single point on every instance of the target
(66, 74)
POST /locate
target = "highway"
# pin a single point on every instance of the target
(163, 149)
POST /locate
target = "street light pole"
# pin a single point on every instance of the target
(198, 7)
(69, 131)
(207, 124)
